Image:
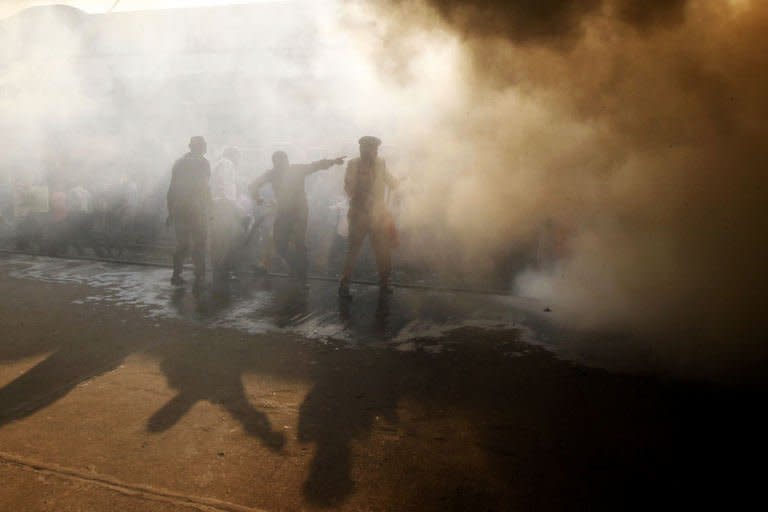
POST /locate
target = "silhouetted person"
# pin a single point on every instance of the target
(365, 183)
(290, 228)
(189, 207)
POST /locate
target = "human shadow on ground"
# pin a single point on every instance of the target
(72, 361)
(207, 369)
(477, 421)
(69, 357)
(554, 435)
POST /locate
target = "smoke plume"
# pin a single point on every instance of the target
(637, 129)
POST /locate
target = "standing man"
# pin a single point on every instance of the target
(365, 183)
(189, 207)
(290, 228)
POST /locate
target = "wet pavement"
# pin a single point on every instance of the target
(413, 318)
(258, 305)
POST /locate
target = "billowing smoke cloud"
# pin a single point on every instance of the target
(635, 131)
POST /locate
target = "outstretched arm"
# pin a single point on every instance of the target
(322, 165)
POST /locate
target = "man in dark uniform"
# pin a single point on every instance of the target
(366, 183)
(189, 208)
(290, 228)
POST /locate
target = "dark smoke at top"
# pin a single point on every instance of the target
(549, 21)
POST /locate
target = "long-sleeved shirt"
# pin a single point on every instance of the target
(288, 185)
(189, 192)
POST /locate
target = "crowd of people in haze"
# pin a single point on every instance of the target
(59, 213)
(202, 200)
(223, 213)
(213, 211)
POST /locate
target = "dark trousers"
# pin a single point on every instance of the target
(191, 237)
(289, 234)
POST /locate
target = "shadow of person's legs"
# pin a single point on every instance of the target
(211, 371)
(55, 376)
(254, 421)
(350, 391)
(329, 479)
(169, 414)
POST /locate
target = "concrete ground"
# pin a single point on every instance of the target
(118, 392)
